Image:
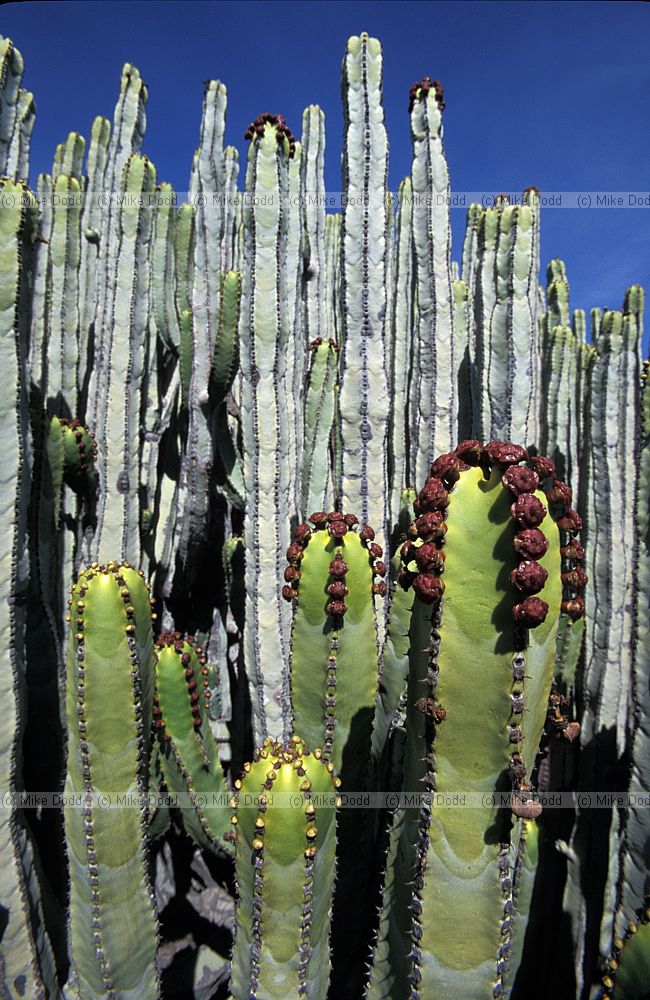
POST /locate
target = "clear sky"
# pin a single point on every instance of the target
(552, 94)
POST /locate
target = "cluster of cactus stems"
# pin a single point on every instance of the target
(221, 398)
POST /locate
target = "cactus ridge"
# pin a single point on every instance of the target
(628, 966)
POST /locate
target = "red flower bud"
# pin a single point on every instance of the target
(367, 533)
(430, 525)
(525, 807)
(350, 519)
(429, 558)
(530, 543)
(505, 452)
(291, 573)
(571, 731)
(338, 590)
(376, 550)
(289, 593)
(531, 612)
(406, 553)
(520, 479)
(544, 467)
(570, 521)
(528, 511)
(380, 588)
(574, 550)
(336, 608)
(380, 568)
(529, 577)
(433, 496)
(448, 468)
(576, 578)
(295, 552)
(338, 567)
(319, 518)
(302, 533)
(575, 609)
(428, 588)
(338, 529)
(469, 452)
(560, 494)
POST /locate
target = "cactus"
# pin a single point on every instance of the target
(285, 870)
(331, 575)
(629, 966)
(191, 381)
(271, 476)
(492, 654)
(110, 662)
(188, 755)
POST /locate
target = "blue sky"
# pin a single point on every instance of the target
(551, 94)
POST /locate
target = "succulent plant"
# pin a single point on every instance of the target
(227, 393)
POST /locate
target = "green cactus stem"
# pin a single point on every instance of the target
(110, 662)
(333, 573)
(225, 363)
(635, 877)
(184, 237)
(114, 401)
(478, 558)
(163, 269)
(284, 826)
(314, 222)
(628, 967)
(563, 361)
(609, 483)
(211, 215)
(188, 755)
(333, 275)
(506, 348)
(395, 652)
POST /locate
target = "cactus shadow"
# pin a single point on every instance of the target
(354, 893)
(183, 928)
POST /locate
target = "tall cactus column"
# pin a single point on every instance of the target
(110, 663)
(486, 559)
(363, 398)
(437, 387)
(19, 972)
(270, 472)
